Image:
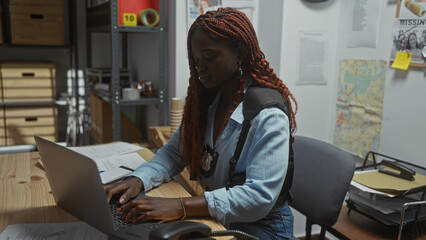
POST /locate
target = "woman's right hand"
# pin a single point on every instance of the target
(129, 188)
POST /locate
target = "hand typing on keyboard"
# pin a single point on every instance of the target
(127, 189)
(151, 208)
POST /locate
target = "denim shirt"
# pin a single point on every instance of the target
(264, 157)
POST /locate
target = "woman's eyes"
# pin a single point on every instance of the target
(209, 56)
(205, 56)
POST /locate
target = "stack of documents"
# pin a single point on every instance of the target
(50, 231)
(383, 195)
(114, 160)
(388, 184)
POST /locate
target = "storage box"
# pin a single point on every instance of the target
(17, 112)
(27, 94)
(25, 81)
(101, 122)
(23, 123)
(37, 25)
(28, 70)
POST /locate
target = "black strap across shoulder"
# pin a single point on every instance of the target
(256, 99)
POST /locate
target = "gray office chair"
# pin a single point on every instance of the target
(322, 174)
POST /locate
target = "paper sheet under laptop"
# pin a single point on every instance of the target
(50, 231)
(105, 150)
(111, 158)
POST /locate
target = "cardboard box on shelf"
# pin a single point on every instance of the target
(31, 121)
(37, 25)
(30, 131)
(13, 112)
(28, 94)
(28, 81)
(101, 122)
(28, 70)
(23, 123)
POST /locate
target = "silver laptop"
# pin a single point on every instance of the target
(77, 188)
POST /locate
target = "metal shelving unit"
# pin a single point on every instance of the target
(104, 18)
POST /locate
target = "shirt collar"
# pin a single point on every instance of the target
(237, 115)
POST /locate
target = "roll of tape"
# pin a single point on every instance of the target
(130, 93)
(149, 17)
(415, 8)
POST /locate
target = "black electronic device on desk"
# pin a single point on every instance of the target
(391, 192)
(179, 230)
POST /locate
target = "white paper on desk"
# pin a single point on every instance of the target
(51, 231)
(113, 175)
(130, 160)
(369, 190)
(105, 150)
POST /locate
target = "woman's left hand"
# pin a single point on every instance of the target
(149, 208)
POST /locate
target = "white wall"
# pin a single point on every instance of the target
(269, 28)
(178, 57)
(404, 115)
(315, 111)
(315, 115)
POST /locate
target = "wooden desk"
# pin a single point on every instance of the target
(25, 195)
(358, 227)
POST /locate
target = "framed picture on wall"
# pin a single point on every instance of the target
(197, 7)
(409, 32)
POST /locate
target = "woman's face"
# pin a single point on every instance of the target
(216, 60)
(412, 39)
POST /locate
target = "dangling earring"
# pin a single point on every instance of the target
(241, 71)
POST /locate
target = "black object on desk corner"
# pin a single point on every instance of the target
(181, 230)
(404, 172)
(406, 210)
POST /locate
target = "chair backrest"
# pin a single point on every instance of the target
(322, 174)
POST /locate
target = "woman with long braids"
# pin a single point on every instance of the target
(224, 60)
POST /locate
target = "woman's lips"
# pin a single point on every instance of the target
(204, 77)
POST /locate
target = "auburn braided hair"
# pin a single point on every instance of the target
(230, 25)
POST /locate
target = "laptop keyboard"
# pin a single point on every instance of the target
(118, 223)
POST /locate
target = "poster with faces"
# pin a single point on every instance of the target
(197, 7)
(409, 31)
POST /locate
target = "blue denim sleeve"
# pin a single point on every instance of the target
(163, 166)
(265, 160)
